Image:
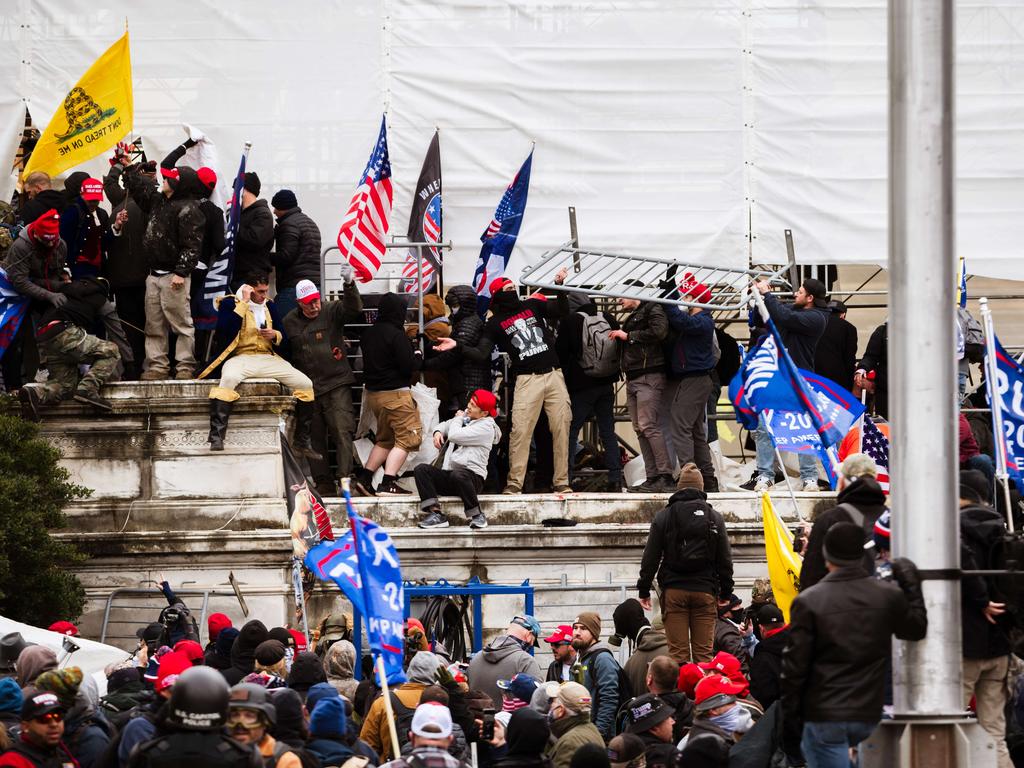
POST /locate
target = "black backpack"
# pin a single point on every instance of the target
(625, 688)
(403, 719)
(729, 362)
(693, 539)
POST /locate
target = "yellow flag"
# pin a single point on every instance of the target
(783, 563)
(95, 115)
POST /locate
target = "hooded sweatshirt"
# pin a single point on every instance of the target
(471, 441)
(650, 643)
(500, 659)
(32, 662)
(388, 358)
(243, 651)
(219, 655)
(519, 329)
(174, 231)
(422, 672)
(339, 665)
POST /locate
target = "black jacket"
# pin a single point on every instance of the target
(40, 757)
(87, 296)
(174, 230)
(867, 496)
(714, 576)
(836, 355)
(644, 351)
(296, 253)
(254, 240)
(981, 528)
(801, 329)
(876, 358)
(520, 329)
(126, 257)
(317, 347)
(569, 345)
(75, 223)
(682, 711)
(213, 232)
(464, 375)
(388, 358)
(658, 754)
(766, 668)
(841, 629)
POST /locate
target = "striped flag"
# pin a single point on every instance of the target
(361, 238)
(876, 445)
(222, 270)
(500, 236)
(13, 308)
(425, 225)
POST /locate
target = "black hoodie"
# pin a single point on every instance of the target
(867, 496)
(981, 528)
(388, 358)
(519, 329)
(243, 652)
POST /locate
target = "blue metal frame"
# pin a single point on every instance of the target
(473, 588)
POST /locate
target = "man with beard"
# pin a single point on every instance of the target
(250, 716)
(600, 672)
(562, 653)
(40, 743)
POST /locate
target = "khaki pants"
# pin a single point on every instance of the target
(533, 393)
(689, 619)
(985, 679)
(167, 309)
(241, 367)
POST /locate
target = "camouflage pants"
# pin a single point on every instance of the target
(65, 352)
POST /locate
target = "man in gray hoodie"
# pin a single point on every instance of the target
(505, 656)
(470, 435)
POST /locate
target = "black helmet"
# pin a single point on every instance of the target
(249, 696)
(199, 700)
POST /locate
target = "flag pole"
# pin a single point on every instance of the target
(996, 404)
(382, 677)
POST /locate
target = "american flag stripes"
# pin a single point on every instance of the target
(876, 445)
(425, 225)
(361, 239)
(13, 308)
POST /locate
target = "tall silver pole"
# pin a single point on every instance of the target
(922, 398)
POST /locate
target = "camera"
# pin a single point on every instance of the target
(487, 729)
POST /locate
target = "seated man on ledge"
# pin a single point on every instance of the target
(247, 338)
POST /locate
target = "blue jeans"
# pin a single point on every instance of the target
(827, 745)
(285, 301)
(766, 457)
(596, 401)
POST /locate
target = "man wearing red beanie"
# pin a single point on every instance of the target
(520, 329)
(469, 437)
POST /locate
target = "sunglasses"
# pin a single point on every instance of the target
(49, 717)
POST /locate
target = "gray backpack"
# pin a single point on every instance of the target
(600, 355)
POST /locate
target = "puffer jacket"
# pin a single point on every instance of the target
(465, 375)
(254, 241)
(174, 232)
(644, 351)
(35, 271)
(296, 253)
(317, 347)
(471, 442)
(840, 642)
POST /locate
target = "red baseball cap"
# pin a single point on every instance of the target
(92, 189)
(715, 691)
(561, 635)
(215, 623)
(498, 284)
(486, 401)
(689, 676)
(724, 663)
(207, 177)
(300, 640)
(65, 628)
(171, 666)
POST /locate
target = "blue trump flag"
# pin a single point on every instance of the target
(500, 236)
(364, 565)
(1009, 397)
(221, 271)
(768, 380)
(13, 308)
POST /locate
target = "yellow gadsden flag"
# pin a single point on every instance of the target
(783, 563)
(95, 115)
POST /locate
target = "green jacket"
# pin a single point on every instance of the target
(572, 733)
(317, 347)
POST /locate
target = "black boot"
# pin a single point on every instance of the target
(303, 423)
(219, 413)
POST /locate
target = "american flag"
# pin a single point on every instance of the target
(13, 308)
(362, 235)
(500, 236)
(876, 445)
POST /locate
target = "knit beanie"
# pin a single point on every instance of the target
(318, 693)
(269, 653)
(225, 639)
(844, 544)
(590, 756)
(283, 636)
(10, 696)
(591, 621)
(121, 677)
(192, 650)
(690, 477)
(46, 229)
(328, 719)
(307, 670)
(62, 682)
(527, 733)
(251, 183)
(705, 752)
(284, 200)
(217, 622)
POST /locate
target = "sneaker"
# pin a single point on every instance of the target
(762, 483)
(389, 487)
(477, 521)
(508, 490)
(435, 520)
(30, 403)
(811, 486)
(563, 489)
(362, 483)
(711, 485)
(152, 375)
(93, 399)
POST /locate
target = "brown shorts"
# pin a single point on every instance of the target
(398, 418)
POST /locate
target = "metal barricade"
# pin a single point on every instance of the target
(112, 618)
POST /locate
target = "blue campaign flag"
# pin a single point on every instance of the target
(13, 308)
(500, 236)
(221, 271)
(1010, 400)
(371, 578)
(810, 412)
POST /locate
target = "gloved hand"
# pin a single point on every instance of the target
(347, 272)
(58, 299)
(905, 573)
(189, 143)
(444, 676)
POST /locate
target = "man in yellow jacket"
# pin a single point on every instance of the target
(422, 672)
(248, 339)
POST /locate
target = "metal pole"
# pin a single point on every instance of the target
(419, 293)
(992, 383)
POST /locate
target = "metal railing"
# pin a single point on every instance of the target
(152, 608)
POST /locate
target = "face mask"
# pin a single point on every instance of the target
(504, 299)
(736, 720)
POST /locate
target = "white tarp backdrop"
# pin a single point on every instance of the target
(676, 129)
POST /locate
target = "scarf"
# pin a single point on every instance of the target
(735, 720)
